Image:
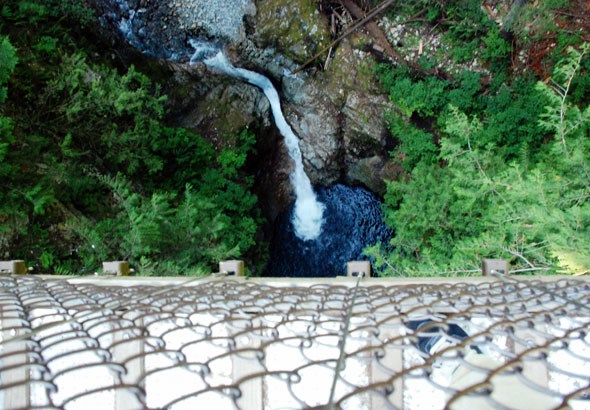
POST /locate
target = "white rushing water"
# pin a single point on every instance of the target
(308, 212)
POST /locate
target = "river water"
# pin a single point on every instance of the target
(352, 221)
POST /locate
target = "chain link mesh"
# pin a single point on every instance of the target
(218, 344)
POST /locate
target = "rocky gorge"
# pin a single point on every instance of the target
(335, 108)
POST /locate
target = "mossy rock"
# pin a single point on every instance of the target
(350, 70)
(294, 27)
(226, 110)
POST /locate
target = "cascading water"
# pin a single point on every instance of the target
(316, 237)
(308, 211)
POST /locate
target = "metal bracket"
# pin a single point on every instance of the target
(118, 268)
(355, 269)
(14, 267)
(494, 267)
(231, 268)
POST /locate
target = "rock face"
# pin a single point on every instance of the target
(339, 116)
(337, 112)
(218, 19)
(294, 28)
(162, 28)
(225, 109)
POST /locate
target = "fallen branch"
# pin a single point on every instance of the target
(372, 28)
(378, 9)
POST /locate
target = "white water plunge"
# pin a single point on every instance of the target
(308, 212)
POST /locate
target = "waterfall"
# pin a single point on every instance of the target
(126, 24)
(308, 211)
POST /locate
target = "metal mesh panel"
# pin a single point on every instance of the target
(219, 344)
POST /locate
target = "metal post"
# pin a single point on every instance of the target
(358, 268)
(119, 268)
(492, 267)
(15, 267)
(246, 363)
(129, 352)
(232, 267)
(14, 360)
(387, 364)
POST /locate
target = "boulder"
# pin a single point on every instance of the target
(295, 28)
(372, 173)
(225, 109)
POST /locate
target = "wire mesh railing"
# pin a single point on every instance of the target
(243, 344)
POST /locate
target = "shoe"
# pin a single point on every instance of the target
(440, 338)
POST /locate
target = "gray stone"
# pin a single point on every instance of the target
(365, 131)
(223, 19)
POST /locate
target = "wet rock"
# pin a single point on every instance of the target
(365, 131)
(338, 115)
(315, 120)
(220, 19)
(226, 109)
(274, 188)
(366, 172)
(162, 28)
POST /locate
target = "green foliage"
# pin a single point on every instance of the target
(176, 233)
(47, 45)
(511, 119)
(416, 99)
(534, 20)
(424, 97)
(509, 114)
(462, 51)
(5, 139)
(559, 117)
(478, 201)
(40, 198)
(74, 11)
(207, 218)
(91, 96)
(46, 260)
(466, 95)
(34, 12)
(465, 19)
(8, 61)
(495, 46)
(90, 169)
(416, 145)
(496, 51)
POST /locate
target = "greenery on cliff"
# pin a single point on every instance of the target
(496, 156)
(90, 169)
(491, 128)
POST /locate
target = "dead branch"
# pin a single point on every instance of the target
(372, 28)
(378, 9)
